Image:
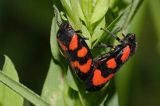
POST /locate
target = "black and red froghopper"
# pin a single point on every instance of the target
(106, 65)
(76, 50)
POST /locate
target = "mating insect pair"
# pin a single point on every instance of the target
(98, 71)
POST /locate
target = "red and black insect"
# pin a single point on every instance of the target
(76, 50)
(95, 72)
(106, 65)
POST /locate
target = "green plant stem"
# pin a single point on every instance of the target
(22, 90)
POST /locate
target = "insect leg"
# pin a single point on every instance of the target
(106, 55)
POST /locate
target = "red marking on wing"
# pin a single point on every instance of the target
(98, 79)
(82, 52)
(62, 45)
(126, 53)
(74, 42)
(111, 63)
(83, 68)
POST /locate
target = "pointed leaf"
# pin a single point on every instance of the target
(71, 10)
(75, 14)
(71, 97)
(93, 98)
(7, 96)
(113, 101)
(86, 34)
(87, 9)
(100, 10)
(70, 80)
(53, 40)
(98, 32)
(123, 20)
(53, 87)
(81, 15)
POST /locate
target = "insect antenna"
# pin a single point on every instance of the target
(113, 35)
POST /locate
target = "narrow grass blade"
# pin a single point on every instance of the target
(6, 94)
(19, 88)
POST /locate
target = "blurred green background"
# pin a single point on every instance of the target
(25, 36)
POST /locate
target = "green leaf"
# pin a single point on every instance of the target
(113, 101)
(99, 10)
(93, 98)
(53, 87)
(81, 15)
(122, 81)
(66, 3)
(87, 9)
(72, 10)
(70, 80)
(57, 16)
(53, 40)
(111, 93)
(75, 14)
(86, 34)
(117, 23)
(67, 6)
(98, 32)
(7, 96)
(71, 97)
(122, 21)
(56, 91)
(154, 7)
(17, 87)
(132, 11)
